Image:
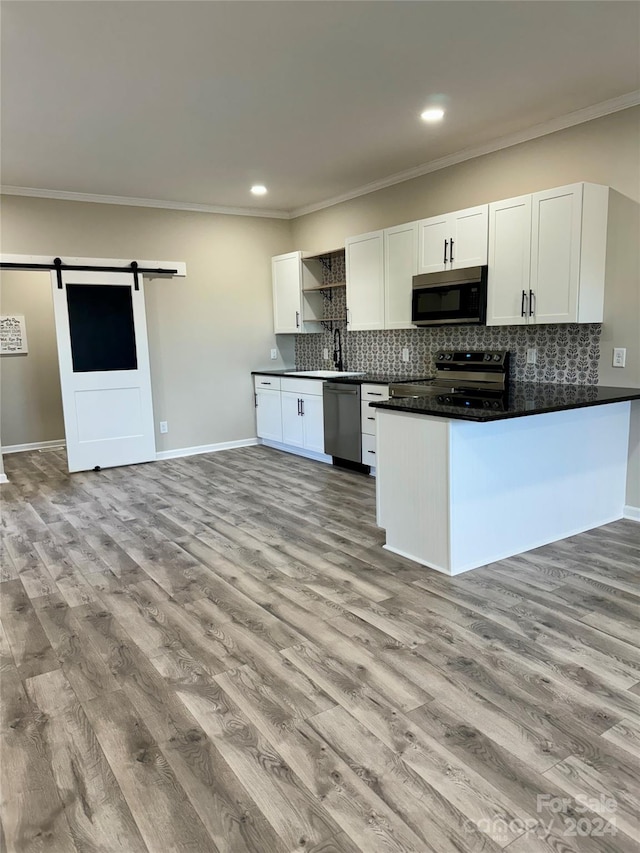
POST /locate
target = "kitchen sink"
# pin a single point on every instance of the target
(323, 374)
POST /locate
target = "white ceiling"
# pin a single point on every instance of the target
(192, 102)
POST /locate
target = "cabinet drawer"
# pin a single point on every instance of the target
(375, 393)
(302, 386)
(269, 383)
(369, 450)
(368, 419)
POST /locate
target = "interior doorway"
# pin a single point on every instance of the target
(30, 394)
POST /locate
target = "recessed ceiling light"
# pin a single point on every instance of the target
(258, 189)
(432, 114)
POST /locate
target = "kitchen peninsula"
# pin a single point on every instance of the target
(458, 488)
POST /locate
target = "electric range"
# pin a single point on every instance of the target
(473, 380)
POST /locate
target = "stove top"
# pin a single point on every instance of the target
(472, 379)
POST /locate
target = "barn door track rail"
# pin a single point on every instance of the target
(58, 266)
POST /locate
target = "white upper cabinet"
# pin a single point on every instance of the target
(297, 303)
(509, 262)
(380, 267)
(547, 257)
(433, 241)
(287, 284)
(400, 265)
(453, 240)
(365, 281)
(470, 237)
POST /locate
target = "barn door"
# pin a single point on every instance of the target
(104, 369)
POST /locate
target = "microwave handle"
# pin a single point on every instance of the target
(446, 243)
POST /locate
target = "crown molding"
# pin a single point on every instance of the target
(604, 108)
(62, 195)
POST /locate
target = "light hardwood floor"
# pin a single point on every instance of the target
(215, 654)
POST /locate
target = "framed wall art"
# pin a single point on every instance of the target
(13, 335)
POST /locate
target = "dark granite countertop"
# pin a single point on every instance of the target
(360, 379)
(522, 399)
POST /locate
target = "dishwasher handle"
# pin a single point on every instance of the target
(333, 389)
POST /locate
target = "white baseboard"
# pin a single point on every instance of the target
(3, 479)
(36, 445)
(297, 451)
(205, 448)
(631, 512)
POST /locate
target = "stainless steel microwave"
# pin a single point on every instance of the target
(450, 297)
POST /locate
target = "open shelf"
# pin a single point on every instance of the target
(324, 287)
(318, 256)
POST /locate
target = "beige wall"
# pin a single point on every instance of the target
(31, 401)
(605, 151)
(206, 332)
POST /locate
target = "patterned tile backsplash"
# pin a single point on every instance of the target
(567, 353)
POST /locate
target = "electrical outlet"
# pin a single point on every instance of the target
(405, 353)
(325, 354)
(619, 356)
(164, 426)
(274, 354)
(532, 355)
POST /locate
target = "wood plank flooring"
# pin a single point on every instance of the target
(215, 655)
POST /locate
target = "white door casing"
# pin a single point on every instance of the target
(108, 414)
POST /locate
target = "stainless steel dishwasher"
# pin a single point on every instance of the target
(342, 430)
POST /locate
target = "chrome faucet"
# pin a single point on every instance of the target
(337, 350)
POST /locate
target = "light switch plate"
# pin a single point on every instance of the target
(532, 355)
(619, 356)
(325, 354)
(405, 353)
(164, 426)
(274, 354)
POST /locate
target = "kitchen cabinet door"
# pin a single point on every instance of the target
(555, 254)
(292, 428)
(313, 423)
(470, 234)
(509, 262)
(434, 235)
(365, 281)
(268, 414)
(286, 273)
(400, 265)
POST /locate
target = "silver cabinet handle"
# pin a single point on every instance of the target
(297, 319)
(446, 243)
(523, 304)
(451, 251)
(255, 400)
(532, 304)
(302, 407)
(298, 405)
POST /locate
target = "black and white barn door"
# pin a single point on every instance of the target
(104, 369)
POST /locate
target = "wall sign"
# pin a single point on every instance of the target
(13, 334)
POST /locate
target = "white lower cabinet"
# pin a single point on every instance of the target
(292, 416)
(303, 421)
(370, 394)
(268, 414)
